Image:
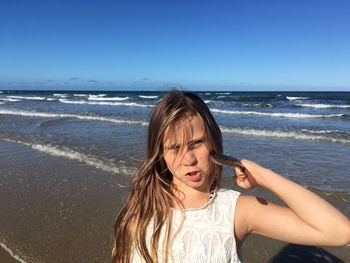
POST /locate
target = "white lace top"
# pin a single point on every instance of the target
(207, 233)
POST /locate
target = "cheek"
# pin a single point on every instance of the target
(204, 152)
(169, 161)
(204, 157)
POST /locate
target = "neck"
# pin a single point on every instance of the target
(192, 198)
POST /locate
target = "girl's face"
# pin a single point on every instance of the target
(186, 154)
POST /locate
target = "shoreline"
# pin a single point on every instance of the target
(69, 204)
(7, 256)
(92, 198)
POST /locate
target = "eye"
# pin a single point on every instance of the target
(174, 148)
(195, 144)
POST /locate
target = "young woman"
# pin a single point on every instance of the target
(177, 212)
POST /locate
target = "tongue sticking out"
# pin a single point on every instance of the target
(194, 176)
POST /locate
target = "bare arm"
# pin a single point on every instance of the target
(307, 220)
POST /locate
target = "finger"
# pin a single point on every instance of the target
(241, 182)
(237, 181)
(241, 178)
(238, 171)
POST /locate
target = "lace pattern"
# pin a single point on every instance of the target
(206, 234)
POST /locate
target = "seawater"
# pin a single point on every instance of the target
(304, 135)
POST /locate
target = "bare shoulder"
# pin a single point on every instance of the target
(246, 208)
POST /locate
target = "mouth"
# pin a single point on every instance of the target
(194, 176)
(192, 173)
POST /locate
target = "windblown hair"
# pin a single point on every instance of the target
(152, 196)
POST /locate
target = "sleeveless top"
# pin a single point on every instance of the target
(202, 235)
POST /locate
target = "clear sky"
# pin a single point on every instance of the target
(199, 45)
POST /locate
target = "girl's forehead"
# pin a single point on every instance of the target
(184, 130)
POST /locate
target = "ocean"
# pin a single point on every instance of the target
(67, 157)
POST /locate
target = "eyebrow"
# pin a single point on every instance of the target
(195, 140)
(191, 142)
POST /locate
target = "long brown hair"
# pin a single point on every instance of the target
(151, 195)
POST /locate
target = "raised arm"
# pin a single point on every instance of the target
(308, 219)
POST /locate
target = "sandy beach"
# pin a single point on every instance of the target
(65, 213)
(5, 256)
(54, 209)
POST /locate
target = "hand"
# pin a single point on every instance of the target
(248, 179)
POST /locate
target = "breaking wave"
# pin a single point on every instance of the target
(26, 98)
(103, 103)
(279, 114)
(333, 136)
(296, 98)
(67, 115)
(324, 106)
(100, 98)
(148, 97)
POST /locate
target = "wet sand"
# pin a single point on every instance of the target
(59, 210)
(5, 256)
(258, 249)
(55, 209)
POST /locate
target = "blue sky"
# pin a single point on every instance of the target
(198, 45)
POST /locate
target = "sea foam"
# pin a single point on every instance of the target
(12, 254)
(26, 98)
(107, 99)
(66, 115)
(296, 98)
(10, 100)
(277, 114)
(304, 135)
(148, 97)
(60, 95)
(104, 165)
(102, 103)
(323, 106)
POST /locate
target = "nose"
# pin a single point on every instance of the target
(189, 158)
